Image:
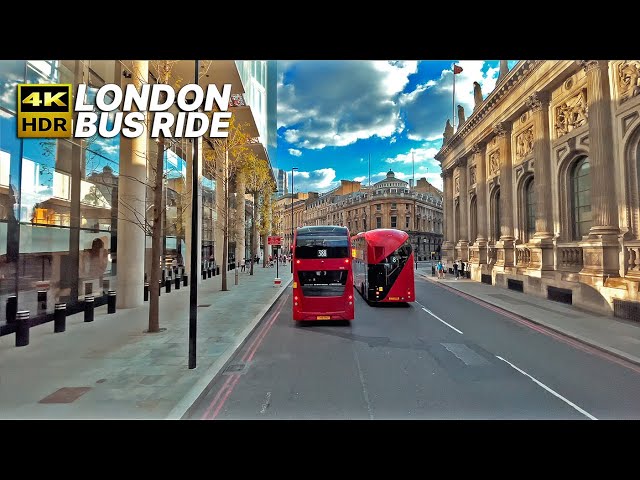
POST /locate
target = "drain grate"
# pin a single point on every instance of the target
(205, 305)
(235, 368)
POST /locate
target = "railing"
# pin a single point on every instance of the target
(632, 258)
(569, 258)
(523, 256)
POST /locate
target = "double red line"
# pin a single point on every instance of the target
(227, 388)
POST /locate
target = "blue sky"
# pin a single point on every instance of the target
(334, 114)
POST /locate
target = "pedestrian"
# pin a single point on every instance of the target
(461, 268)
(455, 269)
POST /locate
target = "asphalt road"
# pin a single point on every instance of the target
(443, 357)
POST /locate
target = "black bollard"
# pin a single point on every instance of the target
(88, 308)
(22, 328)
(209, 272)
(42, 302)
(163, 275)
(185, 280)
(168, 285)
(146, 291)
(60, 318)
(177, 282)
(204, 274)
(111, 301)
(12, 308)
(433, 270)
(159, 287)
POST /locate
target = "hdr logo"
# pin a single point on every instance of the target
(44, 111)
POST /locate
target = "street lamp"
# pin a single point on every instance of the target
(292, 190)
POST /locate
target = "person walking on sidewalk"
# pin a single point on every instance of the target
(461, 268)
(455, 269)
(440, 268)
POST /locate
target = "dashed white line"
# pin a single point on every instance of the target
(438, 318)
(266, 403)
(568, 402)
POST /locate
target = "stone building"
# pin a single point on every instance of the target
(389, 203)
(541, 183)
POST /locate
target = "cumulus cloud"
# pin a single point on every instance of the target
(422, 154)
(359, 179)
(336, 103)
(294, 152)
(321, 180)
(427, 107)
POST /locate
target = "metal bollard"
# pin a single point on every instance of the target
(111, 301)
(168, 285)
(185, 280)
(163, 275)
(160, 287)
(88, 308)
(237, 275)
(177, 282)
(60, 318)
(42, 302)
(209, 272)
(146, 291)
(433, 270)
(22, 328)
(12, 308)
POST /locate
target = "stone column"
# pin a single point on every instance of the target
(600, 251)
(505, 246)
(480, 245)
(188, 230)
(131, 196)
(542, 241)
(462, 245)
(240, 218)
(448, 244)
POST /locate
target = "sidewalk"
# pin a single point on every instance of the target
(616, 336)
(110, 369)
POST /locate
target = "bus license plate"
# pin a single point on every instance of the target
(323, 317)
(394, 298)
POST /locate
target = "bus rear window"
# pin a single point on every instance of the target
(322, 247)
(324, 283)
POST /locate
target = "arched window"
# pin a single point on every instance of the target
(530, 207)
(473, 214)
(495, 216)
(456, 233)
(581, 198)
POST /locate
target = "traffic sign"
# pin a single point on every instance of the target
(274, 240)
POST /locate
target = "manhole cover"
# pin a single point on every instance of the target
(65, 395)
(205, 305)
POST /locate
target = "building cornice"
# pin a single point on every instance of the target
(518, 74)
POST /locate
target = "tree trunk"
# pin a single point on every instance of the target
(156, 241)
(251, 247)
(225, 228)
(254, 226)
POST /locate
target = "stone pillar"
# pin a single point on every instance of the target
(240, 218)
(448, 245)
(462, 246)
(542, 241)
(601, 249)
(504, 69)
(480, 245)
(188, 230)
(505, 246)
(131, 195)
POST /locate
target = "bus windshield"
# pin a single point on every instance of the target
(311, 246)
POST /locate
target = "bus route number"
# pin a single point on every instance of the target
(322, 253)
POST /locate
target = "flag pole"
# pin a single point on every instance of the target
(369, 169)
(453, 105)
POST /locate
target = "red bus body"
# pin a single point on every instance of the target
(383, 265)
(322, 274)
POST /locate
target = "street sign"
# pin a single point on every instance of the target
(274, 240)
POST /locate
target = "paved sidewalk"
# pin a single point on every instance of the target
(617, 336)
(110, 369)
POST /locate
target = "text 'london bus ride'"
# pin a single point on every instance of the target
(383, 265)
(322, 274)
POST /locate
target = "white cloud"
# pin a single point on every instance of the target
(427, 108)
(422, 154)
(359, 179)
(336, 103)
(393, 140)
(321, 180)
(294, 152)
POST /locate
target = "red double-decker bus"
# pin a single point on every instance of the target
(322, 274)
(383, 265)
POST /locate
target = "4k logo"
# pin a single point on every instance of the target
(44, 111)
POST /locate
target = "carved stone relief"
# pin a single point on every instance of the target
(472, 175)
(571, 113)
(524, 143)
(456, 183)
(628, 79)
(494, 163)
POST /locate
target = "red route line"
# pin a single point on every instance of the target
(580, 345)
(232, 379)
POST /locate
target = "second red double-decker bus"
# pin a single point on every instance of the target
(322, 274)
(383, 265)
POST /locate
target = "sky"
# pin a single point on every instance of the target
(333, 115)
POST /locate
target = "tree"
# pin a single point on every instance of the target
(224, 158)
(257, 180)
(266, 214)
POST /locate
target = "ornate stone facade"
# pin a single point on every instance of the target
(557, 203)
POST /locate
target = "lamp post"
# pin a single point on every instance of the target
(292, 190)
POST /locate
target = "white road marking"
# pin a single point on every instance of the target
(568, 402)
(266, 403)
(438, 318)
(364, 387)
